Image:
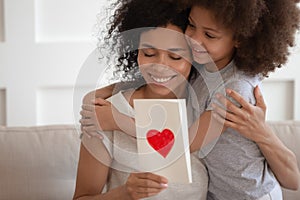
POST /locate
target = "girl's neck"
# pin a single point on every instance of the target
(212, 67)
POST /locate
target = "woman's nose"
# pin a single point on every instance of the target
(162, 59)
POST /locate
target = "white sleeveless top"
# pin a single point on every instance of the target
(123, 150)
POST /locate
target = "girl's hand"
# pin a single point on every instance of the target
(142, 185)
(248, 120)
(101, 115)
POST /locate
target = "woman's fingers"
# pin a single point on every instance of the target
(260, 102)
(223, 114)
(154, 177)
(141, 185)
(231, 108)
(238, 98)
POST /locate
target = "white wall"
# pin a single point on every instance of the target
(43, 45)
(46, 48)
(282, 89)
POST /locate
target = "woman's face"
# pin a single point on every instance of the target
(208, 39)
(164, 60)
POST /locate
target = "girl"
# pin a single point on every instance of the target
(246, 39)
(163, 59)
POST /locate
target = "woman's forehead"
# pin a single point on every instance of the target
(170, 37)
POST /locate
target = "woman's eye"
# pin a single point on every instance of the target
(175, 58)
(148, 52)
(149, 55)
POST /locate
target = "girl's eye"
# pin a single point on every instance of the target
(191, 25)
(210, 35)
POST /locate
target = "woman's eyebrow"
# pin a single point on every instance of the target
(175, 49)
(145, 45)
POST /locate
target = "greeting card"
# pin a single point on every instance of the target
(162, 138)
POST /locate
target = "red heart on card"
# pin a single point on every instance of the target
(162, 142)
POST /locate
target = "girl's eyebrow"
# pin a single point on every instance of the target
(206, 28)
(145, 45)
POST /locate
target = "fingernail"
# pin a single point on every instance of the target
(164, 185)
(213, 105)
(100, 137)
(228, 91)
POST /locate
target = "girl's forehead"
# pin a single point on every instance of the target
(206, 18)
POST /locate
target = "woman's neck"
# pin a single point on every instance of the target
(145, 92)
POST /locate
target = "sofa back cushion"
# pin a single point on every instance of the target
(289, 133)
(41, 162)
(38, 162)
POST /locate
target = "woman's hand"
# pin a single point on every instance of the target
(248, 120)
(142, 185)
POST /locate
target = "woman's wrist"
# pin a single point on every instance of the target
(265, 136)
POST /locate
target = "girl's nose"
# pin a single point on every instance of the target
(194, 38)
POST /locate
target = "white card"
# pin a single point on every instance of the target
(162, 138)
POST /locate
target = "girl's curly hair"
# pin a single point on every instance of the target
(130, 19)
(265, 29)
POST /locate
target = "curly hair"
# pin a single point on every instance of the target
(265, 29)
(139, 16)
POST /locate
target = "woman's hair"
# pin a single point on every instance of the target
(265, 29)
(130, 19)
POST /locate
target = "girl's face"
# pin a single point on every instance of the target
(164, 60)
(207, 36)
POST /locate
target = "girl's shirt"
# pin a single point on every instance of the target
(236, 167)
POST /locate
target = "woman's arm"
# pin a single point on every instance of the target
(92, 176)
(250, 121)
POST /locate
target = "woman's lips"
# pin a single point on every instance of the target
(200, 51)
(160, 79)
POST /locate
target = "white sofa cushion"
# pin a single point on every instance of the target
(38, 162)
(289, 133)
(41, 162)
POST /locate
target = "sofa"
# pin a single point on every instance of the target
(38, 163)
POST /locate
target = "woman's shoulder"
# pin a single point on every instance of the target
(121, 102)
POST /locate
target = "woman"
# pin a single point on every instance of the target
(112, 162)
